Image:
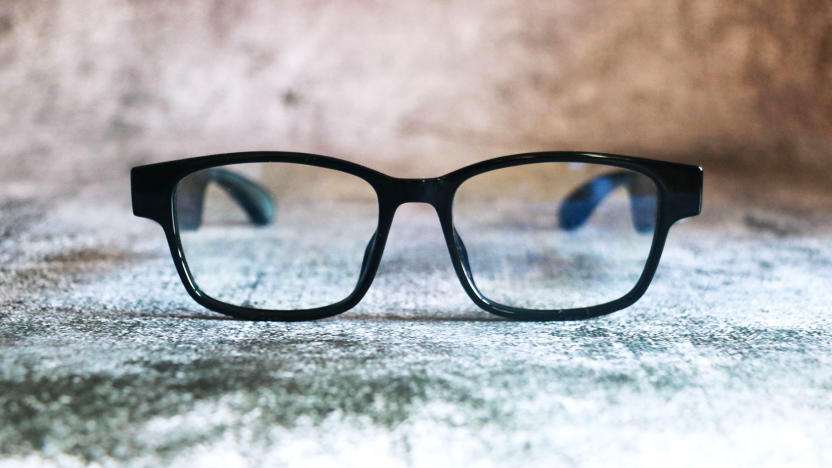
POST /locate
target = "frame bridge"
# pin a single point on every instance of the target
(429, 190)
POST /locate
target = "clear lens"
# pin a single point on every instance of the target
(556, 235)
(275, 235)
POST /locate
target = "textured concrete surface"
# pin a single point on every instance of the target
(725, 361)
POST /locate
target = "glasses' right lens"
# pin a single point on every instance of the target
(548, 236)
(277, 236)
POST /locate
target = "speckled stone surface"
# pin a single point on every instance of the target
(725, 361)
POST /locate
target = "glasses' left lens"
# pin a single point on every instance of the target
(555, 235)
(277, 236)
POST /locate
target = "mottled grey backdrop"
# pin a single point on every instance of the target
(418, 87)
(725, 361)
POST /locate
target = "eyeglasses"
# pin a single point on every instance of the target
(538, 236)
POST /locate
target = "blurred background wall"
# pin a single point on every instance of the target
(416, 88)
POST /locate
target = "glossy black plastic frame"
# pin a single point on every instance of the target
(679, 190)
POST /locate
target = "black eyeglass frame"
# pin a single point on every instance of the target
(679, 191)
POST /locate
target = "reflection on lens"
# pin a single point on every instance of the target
(551, 236)
(275, 236)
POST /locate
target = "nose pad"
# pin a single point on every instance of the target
(463, 252)
(370, 246)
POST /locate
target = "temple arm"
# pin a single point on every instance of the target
(579, 205)
(254, 199)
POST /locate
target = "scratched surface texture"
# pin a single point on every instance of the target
(105, 360)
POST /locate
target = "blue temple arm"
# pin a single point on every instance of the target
(254, 199)
(578, 206)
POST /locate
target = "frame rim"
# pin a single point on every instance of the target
(659, 237)
(679, 187)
